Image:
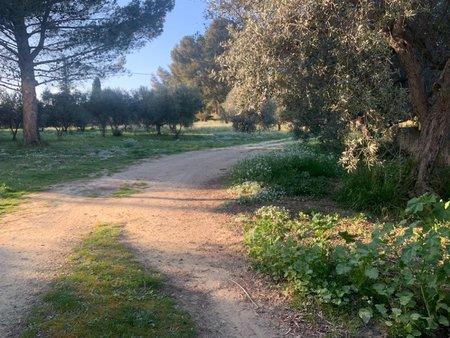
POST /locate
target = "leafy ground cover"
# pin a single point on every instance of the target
(80, 155)
(397, 273)
(105, 292)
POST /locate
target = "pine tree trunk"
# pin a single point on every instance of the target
(30, 108)
(28, 81)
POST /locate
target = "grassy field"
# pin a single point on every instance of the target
(105, 292)
(80, 155)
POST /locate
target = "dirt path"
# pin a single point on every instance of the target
(174, 225)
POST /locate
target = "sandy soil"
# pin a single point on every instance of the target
(175, 225)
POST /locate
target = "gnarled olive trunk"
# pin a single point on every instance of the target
(435, 129)
(433, 115)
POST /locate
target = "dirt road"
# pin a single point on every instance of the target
(175, 225)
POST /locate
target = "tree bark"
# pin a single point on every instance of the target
(435, 129)
(433, 116)
(28, 80)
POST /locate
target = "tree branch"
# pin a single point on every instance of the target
(41, 42)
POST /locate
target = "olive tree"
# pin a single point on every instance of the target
(340, 65)
(11, 112)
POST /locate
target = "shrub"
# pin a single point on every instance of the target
(245, 122)
(399, 274)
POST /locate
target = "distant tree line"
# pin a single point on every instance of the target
(174, 107)
(196, 63)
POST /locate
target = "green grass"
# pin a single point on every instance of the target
(130, 189)
(299, 169)
(80, 155)
(105, 292)
(381, 190)
(9, 199)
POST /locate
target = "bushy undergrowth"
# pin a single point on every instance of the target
(309, 170)
(398, 273)
(297, 170)
(386, 187)
(377, 189)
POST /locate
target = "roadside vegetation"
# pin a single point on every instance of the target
(389, 267)
(296, 170)
(105, 292)
(397, 273)
(310, 169)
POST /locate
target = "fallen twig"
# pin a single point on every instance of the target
(245, 291)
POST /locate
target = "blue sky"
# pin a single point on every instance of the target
(187, 18)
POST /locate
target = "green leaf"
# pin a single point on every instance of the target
(341, 269)
(443, 321)
(409, 277)
(365, 314)
(396, 311)
(372, 273)
(442, 306)
(416, 333)
(415, 316)
(381, 309)
(405, 298)
(414, 205)
(380, 288)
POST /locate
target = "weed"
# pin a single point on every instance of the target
(250, 192)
